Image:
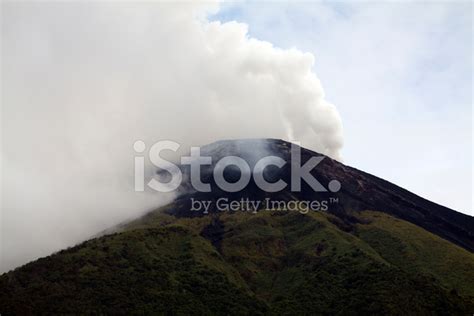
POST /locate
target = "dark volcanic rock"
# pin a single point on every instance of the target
(359, 190)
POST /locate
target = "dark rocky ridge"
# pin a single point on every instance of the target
(359, 190)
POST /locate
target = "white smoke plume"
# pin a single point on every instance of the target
(82, 81)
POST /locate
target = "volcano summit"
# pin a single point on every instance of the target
(371, 247)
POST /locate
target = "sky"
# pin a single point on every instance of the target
(385, 88)
(400, 76)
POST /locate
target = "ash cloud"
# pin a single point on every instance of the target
(82, 81)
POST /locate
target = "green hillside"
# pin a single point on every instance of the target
(240, 263)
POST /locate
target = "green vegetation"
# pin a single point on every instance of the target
(269, 263)
(417, 251)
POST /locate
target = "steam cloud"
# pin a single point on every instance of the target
(82, 82)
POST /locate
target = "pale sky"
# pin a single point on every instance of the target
(400, 75)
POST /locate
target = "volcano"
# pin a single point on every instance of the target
(359, 190)
(369, 247)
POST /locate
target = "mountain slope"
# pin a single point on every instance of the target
(359, 190)
(240, 263)
(159, 270)
(377, 249)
